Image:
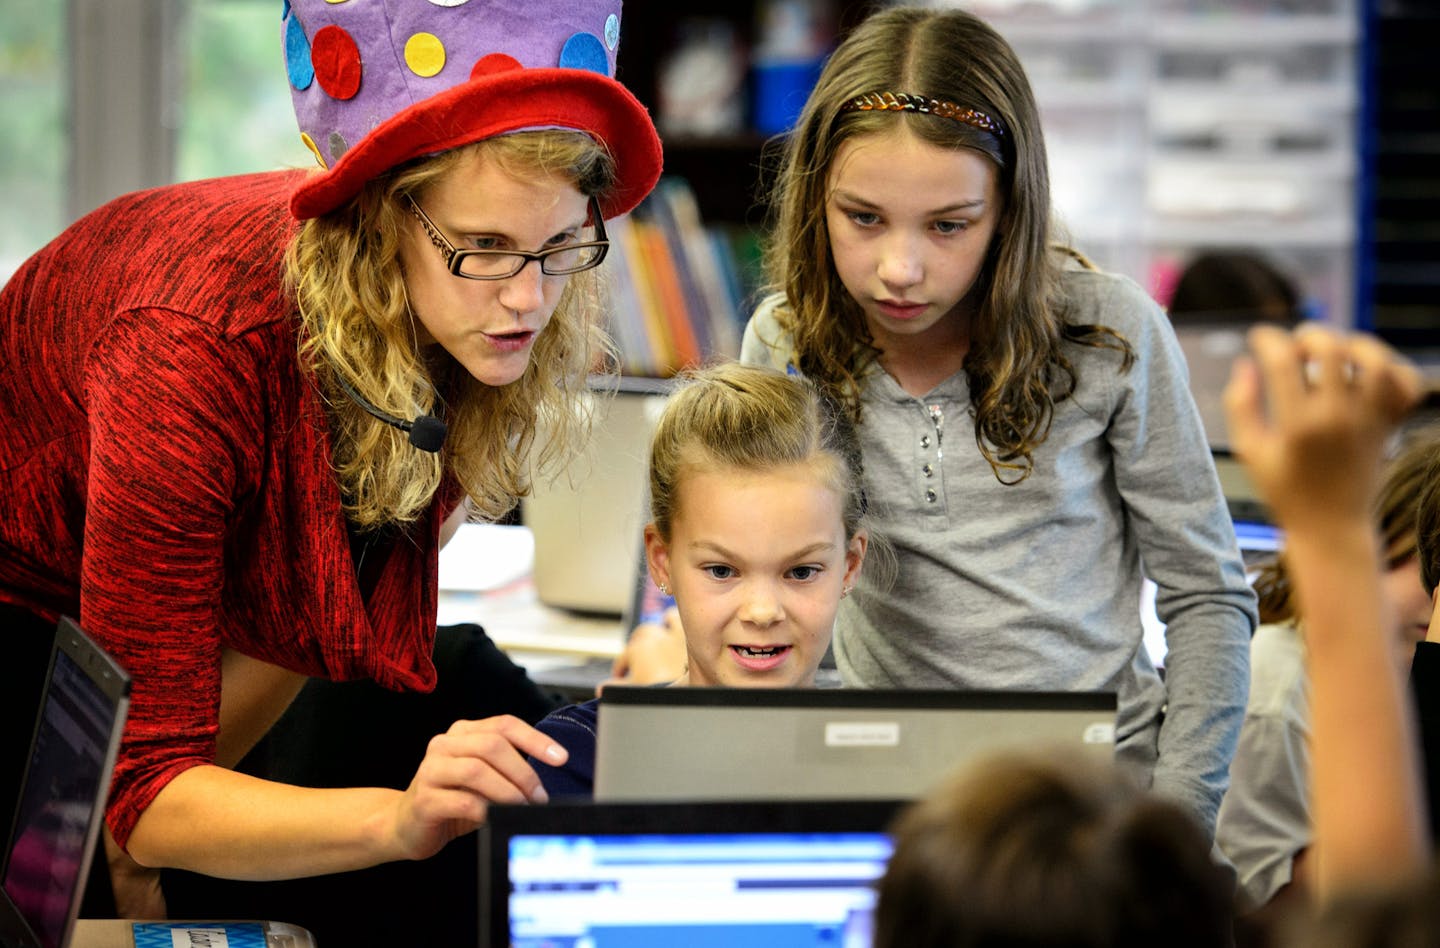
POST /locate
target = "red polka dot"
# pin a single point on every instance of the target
(493, 63)
(337, 62)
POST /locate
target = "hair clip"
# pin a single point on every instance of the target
(905, 102)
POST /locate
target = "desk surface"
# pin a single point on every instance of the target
(485, 578)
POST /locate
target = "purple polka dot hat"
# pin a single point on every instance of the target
(379, 82)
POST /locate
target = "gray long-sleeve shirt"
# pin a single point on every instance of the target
(1037, 585)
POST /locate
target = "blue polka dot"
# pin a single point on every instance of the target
(585, 51)
(297, 55)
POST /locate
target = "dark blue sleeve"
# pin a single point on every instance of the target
(574, 729)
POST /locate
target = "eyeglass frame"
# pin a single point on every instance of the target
(454, 256)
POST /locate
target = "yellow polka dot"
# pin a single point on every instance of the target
(424, 54)
(334, 1)
(310, 144)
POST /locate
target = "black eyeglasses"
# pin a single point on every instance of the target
(502, 264)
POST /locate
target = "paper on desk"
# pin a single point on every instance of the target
(484, 556)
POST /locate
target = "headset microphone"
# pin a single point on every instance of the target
(426, 432)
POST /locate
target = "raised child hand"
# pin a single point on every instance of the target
(1309, 414)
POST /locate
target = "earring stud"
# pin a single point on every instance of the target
(664, 589)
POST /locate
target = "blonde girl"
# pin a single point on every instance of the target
(758, 531)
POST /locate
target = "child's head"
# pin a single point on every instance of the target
(1235, 288)
(910, 56)
(757, 522)
(1039, 850)
(1400, 516)
(938, 241)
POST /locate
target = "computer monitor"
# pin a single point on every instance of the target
(758, 874)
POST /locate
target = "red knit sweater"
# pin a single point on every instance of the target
(165, 476)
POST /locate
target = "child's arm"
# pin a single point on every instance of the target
(1174, 506)
(1310, 417)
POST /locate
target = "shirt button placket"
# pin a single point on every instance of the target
(929, 445)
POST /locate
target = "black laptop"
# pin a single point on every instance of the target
(758, 873)
(61, 800)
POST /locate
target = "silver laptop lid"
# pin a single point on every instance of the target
(585, 521)
(823, 743)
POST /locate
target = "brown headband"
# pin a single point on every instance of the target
(905, 102)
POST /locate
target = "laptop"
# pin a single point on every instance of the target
(61, 808)
(578, 681)
(61, 802)
(753, 873)
(585, 521)
(823, 743)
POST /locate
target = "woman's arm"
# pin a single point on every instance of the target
(222, 823)
(1310, 417)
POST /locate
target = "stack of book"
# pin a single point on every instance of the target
(680, 289)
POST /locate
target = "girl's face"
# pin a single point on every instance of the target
(757, 562)
(910, 226)
(489, 326)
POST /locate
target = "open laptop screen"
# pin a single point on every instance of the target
(58, 816)
(754, 874)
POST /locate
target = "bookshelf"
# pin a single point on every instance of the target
(679, 290)
(687, 275)
(723, 162)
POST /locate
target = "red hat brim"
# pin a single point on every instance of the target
(495, 104)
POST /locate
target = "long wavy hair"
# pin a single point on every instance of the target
(345, 273)
(1399, 509)
(1016, 364)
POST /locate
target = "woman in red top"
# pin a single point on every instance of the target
(235, 413)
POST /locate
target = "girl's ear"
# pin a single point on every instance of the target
(855, 556)
(657, 556)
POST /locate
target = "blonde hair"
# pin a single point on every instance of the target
(1016, 364)
(752, 419)
(345, 273)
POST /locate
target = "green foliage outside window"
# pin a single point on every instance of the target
(33, 146)
(235, 112)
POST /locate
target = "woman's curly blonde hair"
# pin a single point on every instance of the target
(344, 271)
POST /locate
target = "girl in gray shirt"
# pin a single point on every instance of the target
(1032, 450)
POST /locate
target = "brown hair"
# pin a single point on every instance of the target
(1016, 364)
(1236, 288)
(752, 418)
(1032, 850)
(1427, 520)
(345, 273)
(1400, 516)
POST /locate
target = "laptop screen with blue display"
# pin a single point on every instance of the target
(633, 876)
